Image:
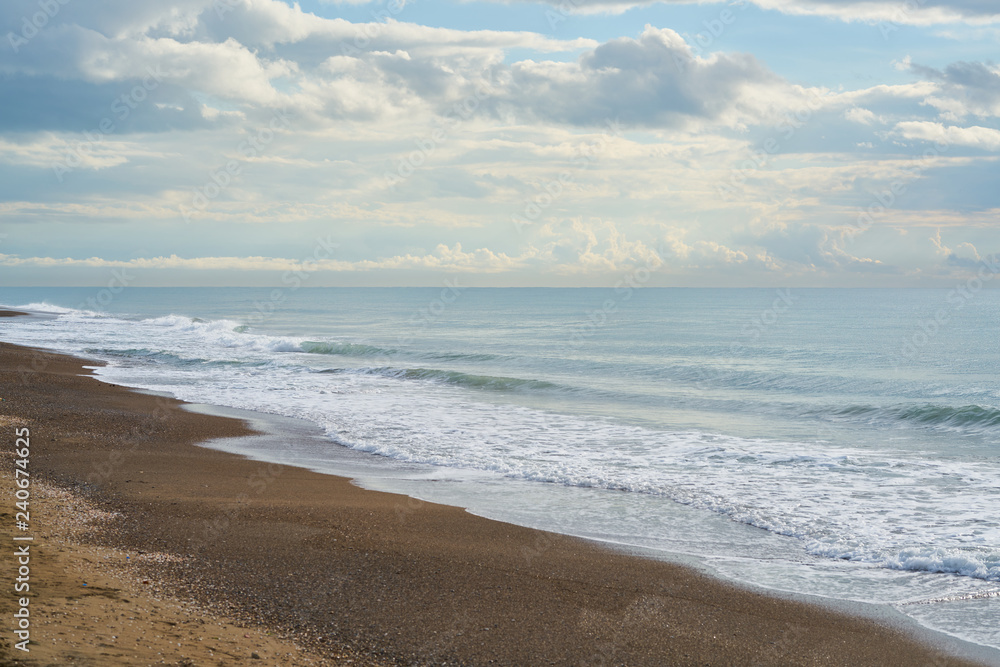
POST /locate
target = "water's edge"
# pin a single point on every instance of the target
(279, 430)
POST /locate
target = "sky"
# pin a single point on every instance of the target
(848, 143)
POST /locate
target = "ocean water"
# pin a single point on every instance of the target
(841, 443)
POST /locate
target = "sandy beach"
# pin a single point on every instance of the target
(193, 556)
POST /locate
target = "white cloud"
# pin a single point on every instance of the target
(986, 138)
(713, 250)
(654, 81)
(892, 12)
(265, 54)
(63, 154)
(964, 88)
(882, 94)
(443, 259)
(567, 248)
(860, 115)
(964, 255)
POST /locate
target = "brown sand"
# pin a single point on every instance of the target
(91, 605)
(378, 577)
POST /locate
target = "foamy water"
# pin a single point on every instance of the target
(809, 450)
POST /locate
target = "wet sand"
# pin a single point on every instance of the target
(335, 573)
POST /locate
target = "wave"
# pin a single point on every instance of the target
(45, 307)
(965, 417)
(346, 349)
(138, 353)
(487, 382)
(467, 380)
(363, 350)
(227, 333)
(164, 357)
(979, 563)
(460, 356)
(187, 323)
(701, 375)
(222, 332)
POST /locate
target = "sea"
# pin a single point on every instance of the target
(836, 443)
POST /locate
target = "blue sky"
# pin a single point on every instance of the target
(571, 142)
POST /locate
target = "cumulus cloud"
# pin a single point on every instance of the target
(578, 246)
(966, 88)
(964, 255)
(200, 68)
(725, 255)
(655, 80)
(566, 248)
(198, 65)
(810, 246)
(445, 258)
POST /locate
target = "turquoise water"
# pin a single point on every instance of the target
(834, 442)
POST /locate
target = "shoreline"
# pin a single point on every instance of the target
(343, 569)
(358, 467)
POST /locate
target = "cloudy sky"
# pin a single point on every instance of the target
(509, 142)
